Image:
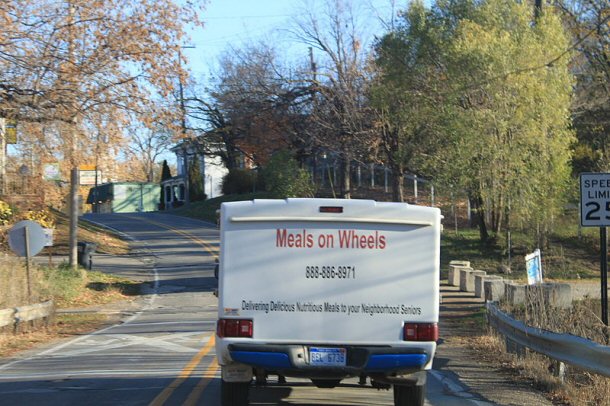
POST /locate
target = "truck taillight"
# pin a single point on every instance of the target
(331, 209)
(234, 328)
(420, 332)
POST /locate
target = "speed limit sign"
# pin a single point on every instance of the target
(595, 199)
(595, 212)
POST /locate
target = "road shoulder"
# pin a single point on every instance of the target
(460, 326)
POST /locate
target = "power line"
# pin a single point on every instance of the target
(244, 17)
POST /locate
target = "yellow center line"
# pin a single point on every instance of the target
(210, 372)
(208, 376)
(207, 246)
(186, 372)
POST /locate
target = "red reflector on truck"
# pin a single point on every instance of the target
(331, 209)
(234, 328)
(420, 332)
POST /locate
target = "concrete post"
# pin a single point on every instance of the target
(494, 289)
(552, 294)
(479, 281)
(467, 279)
(515, 294)
(453, 277)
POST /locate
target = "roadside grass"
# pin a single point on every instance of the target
(568, 254)
(581, 319)
(533, 369)
(477, 321)
(62, 326)
(206, 210)
(579, 388)
(67, 287)
(106, 242)
(466, 246)
(70, 288)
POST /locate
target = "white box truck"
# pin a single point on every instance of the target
(328, 289)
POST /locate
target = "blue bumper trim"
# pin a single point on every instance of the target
(384, 362)
(269, 360)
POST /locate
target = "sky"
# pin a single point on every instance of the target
(239, 22)
(235, 22)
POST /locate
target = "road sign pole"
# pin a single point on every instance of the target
(595, 212)
(603, 234)
(26, 236)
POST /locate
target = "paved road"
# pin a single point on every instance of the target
(163, 353)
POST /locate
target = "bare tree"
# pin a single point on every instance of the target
(146, 146)
(340, 80)
(252, 109)
(589, 24)
(75, 61)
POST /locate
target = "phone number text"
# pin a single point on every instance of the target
(330, 272)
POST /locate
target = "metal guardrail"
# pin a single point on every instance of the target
(12, 317)
(573, 350)
(7, 317)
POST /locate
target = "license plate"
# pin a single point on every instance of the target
(321, 356)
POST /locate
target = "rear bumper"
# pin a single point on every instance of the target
(293, 360)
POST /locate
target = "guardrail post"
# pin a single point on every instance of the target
(559, 370)
(16, 320)
(515, 348)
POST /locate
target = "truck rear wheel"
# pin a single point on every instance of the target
(409, 395)
(234, 393)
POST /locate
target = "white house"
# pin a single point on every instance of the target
(211, 168)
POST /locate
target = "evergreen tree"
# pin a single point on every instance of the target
(196, 185)
(165, 174)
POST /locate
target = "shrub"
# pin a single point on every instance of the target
(62, 283)
(284, 178)
(42, 217)
(239, 181)
(6, 213)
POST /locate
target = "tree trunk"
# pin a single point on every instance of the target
(474, 212)
(397, 182)
(231, 157)
(346, 181)
(477, 204)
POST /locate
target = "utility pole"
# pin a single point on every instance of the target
(185, 143)
(72, 128)
(2, 155)
(314, 150)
